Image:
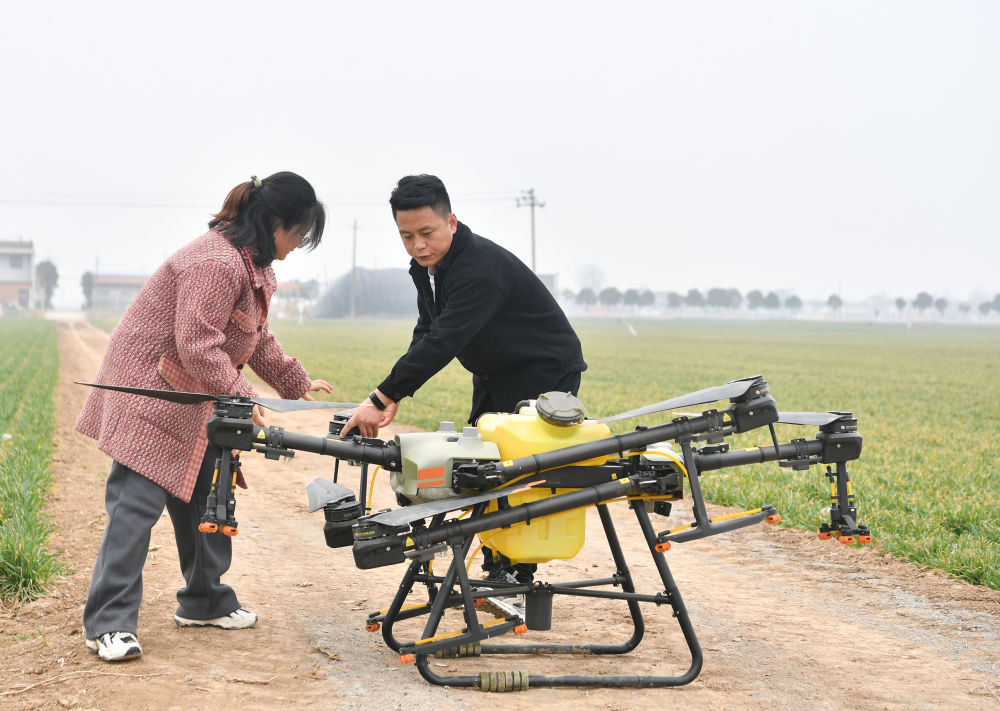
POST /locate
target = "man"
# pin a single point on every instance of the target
(479, 303)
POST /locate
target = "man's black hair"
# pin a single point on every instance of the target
(416, 191)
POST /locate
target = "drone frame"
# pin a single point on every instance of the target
(417, 533)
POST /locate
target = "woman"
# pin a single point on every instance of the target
(196, 322)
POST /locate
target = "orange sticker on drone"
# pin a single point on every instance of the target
(433, 476)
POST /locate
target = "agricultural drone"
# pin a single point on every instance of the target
(521, 483)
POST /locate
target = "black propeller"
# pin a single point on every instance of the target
(183, 398)
(730, 390)
(817, 419)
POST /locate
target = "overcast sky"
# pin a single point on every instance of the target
(817, 147)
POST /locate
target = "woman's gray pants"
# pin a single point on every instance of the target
(134, 505)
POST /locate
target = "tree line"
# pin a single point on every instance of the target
(925, 301)
(732, 299)
(716, 298)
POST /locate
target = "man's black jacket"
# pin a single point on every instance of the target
(491, 312)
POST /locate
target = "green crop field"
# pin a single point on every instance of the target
(928, 402)
(29, 372)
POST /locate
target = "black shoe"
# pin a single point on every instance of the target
(510, 575)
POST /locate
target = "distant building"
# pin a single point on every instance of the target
(551, 282)
(377, 292)
(17, 274)
(114, 292)
(286, 300)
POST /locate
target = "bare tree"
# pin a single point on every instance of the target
(48, 279)
(718, 298)
(923, 301)
(694, 298)
(87, 283)
(610, 296)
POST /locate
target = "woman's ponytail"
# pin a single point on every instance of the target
(236, 202)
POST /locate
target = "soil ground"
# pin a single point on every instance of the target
(785, 620)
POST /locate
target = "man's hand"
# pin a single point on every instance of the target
(369, 419)
(257, 416)
(315, 386)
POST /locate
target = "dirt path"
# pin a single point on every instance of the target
(785, 620)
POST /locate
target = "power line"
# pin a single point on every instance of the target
(168, 201)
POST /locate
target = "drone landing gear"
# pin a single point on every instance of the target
(220, 515)
(843, 512)
(468, 642)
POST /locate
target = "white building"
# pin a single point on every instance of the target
(113, 293)
(17, 275)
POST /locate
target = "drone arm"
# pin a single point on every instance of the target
(588, 450)
(827, 448)
(373, 550)
(360, 449)
(742, 416)
(240, 433)
(798, 449)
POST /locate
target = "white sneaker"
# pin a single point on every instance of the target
(239, 620)
(115, 646)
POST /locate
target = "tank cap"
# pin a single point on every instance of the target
(561, 409)
(470, 432)
(446, 427)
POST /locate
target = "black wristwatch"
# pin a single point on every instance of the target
(376, 401)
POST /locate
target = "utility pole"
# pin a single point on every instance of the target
(528, 198)
(354, 267)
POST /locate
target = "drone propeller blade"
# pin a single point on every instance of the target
(183, 398)
(180, 397)
(728, 391)
(278, 405)
(817, 419)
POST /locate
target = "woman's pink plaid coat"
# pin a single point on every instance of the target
(196, 322)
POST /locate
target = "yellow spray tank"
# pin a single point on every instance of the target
(554, 421)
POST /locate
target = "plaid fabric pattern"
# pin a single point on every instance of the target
(197, 321)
